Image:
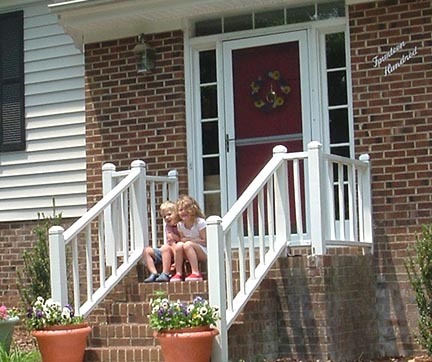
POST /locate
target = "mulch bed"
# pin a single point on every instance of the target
(23, 340)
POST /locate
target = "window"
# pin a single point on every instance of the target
(209, 130)
(270, 18)
(12, 126)
(338, 108)
(337, 94)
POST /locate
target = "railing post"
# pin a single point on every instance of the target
(139, 207)
(281, 198)
(316, 197)
(216, 285)
(110, 241)
(366, 199)
(173, 188)
(57, 254)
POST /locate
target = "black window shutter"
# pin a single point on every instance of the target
(12, 121)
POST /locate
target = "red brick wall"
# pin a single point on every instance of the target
(135, 116)
(392, 120)
(14, 239)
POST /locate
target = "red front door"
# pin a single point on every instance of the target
(267, 105)
(264, 103)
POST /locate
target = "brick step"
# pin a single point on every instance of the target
(179, 290)
(124, 354)
(120, 324)
(120, 307)
(125, 335)
(121, 312)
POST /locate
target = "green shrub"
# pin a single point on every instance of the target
(34, 277)
(419, 268)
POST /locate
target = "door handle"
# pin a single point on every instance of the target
(227, 142)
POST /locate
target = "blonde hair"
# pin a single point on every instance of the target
(168, 206)
(189, 203)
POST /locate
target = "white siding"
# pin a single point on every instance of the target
(53, 165)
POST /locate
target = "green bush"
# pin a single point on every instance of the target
(34, 277)
(419, 268)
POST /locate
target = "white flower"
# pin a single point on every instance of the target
(39, 302)
(66, 313)
(203, 311)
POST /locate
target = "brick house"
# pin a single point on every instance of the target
(353, 75)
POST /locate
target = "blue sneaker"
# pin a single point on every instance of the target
(152, 278)
(163, 278)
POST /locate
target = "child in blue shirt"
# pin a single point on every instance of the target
(164, 254)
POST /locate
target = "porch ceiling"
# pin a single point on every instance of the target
(90, 21)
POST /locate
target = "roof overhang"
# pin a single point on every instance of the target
(89, 21)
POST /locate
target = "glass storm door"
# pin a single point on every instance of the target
(265, 102)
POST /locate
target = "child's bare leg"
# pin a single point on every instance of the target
(179, 257)
(167, 255)
(194, 253)
(149, 258)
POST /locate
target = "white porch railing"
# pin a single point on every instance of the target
(110, 237)
(306, 199)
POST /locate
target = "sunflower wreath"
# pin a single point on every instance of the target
(275, 97)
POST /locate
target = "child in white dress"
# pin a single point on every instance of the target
(192, 244)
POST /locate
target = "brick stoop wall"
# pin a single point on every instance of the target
(254, 334)
(326, 307)
(309, 308)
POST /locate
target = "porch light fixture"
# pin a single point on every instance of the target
(145, 55)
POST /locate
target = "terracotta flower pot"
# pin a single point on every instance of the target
(187, 345)
(63, 343)
(6, 331)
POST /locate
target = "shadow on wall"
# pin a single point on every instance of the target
(327, 307)
(392, 299)
(254, 335)
(299, 331)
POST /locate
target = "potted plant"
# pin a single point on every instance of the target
(61, 335)
(8, 319)
(184, 330)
